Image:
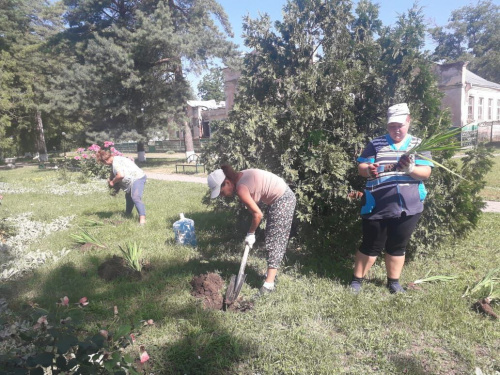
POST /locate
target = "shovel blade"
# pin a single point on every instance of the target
(234, 288)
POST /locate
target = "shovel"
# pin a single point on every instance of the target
(234, 288)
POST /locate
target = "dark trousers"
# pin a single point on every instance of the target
(391, 235)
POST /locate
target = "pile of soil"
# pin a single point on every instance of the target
(117, 267)
(209, 288)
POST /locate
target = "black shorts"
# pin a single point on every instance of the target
(391, 235)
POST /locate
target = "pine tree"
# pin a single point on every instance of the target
(26, 27)
(132, 59)
(211, 87)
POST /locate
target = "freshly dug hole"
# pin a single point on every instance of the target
(209, 288)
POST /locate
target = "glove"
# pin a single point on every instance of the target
(250, 239)
(406, 163)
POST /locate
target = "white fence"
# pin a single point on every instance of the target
(484, 132)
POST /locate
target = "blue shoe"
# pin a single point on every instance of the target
(395, 288)
(355, 286)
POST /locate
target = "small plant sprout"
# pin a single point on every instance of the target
(132, 253)
(93, 223)
(488, 287)
(428, 279)
(85, 237)
(439, 142)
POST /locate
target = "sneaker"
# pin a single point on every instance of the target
(264, 277)
(263, 291)
(355, 286)
(395, 288)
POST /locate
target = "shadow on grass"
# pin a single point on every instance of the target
(205, 346)
(406, 364)
(203, 343)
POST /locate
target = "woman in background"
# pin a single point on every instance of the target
(130, 178)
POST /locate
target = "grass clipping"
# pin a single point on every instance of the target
(439, 142)
(487, 290)
(84, 237)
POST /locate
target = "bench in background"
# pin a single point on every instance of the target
(191, 161)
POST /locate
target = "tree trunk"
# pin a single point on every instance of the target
(188, 135)
(41, 147)
(188, 139)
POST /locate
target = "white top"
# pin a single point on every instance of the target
(128, 169)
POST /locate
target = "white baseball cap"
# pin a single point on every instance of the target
(215, 180)
(398, 113)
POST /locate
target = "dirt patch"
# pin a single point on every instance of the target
(240, 305)
(117, 267)
(113, 222)
(209, 288)
(86, 247)
(483, 306)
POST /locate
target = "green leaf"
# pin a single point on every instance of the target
(123, 330)
(65, 342)
(43, 359)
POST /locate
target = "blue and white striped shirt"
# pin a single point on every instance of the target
(393, 192)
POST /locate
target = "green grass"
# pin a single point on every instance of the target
(491, 191)
(312, 324)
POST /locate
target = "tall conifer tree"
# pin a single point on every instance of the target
(133, 56)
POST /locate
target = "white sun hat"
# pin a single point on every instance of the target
(398, 113)
(215, 180)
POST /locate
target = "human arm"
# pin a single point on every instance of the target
(368, 170)
(412, 167)
(421, 172)
(245, 197)
(116, 179)
(367, 167)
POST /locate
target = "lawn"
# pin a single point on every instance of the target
(312, 324)
(492, 190)
(165, 163)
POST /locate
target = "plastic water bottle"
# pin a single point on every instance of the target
(184, 231)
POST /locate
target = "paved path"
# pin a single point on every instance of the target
(490, 206)
(176, 177)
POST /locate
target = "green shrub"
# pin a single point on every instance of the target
(307, 117)
(53, 340)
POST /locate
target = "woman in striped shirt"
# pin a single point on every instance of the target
(393, 197)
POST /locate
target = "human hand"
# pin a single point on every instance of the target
(406, 163)
(372, 170)
(111, 183)
(250, 239)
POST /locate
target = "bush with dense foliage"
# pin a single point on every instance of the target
(87, 163)
(314, 90)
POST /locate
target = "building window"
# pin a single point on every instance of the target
(490, 109)
(498, 109)
(480, 106)
(470, 109)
